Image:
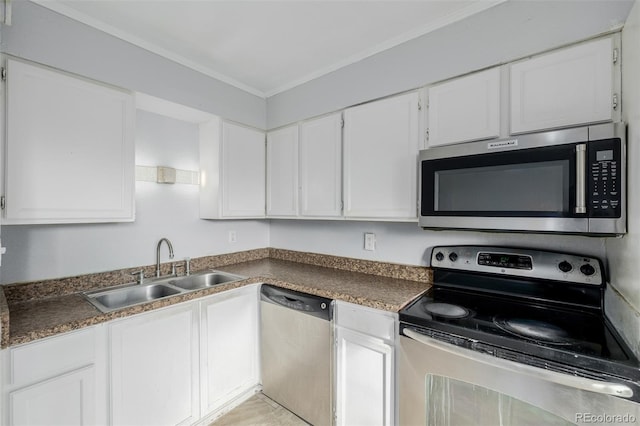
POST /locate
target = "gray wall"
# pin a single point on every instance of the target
(501, 34)
(43, 36)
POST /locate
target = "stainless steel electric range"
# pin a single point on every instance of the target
(516, 334)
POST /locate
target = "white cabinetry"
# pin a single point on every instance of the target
(154, 368)
(59, 380)
(69, 147)
(232, 167)
(321, 167)
(229, 350)
(567, 87)
(282, 172)
(465, 109)
(381, 144)
(365, 370)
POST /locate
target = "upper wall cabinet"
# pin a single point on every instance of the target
(282, 172)
(321, 167)
(465, 109)
(69, 147)
(232, 167)
(381, 143)
(567, 87)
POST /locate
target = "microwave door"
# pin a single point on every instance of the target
(539, 189)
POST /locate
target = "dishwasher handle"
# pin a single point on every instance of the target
(317, 306)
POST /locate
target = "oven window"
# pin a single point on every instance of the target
(452, 402)
(531, 187)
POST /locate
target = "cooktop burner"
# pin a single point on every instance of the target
(445, 310)
(534, 330)
(551, 310)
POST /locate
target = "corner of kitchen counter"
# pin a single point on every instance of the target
(4, 320)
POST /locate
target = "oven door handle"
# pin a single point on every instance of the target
(607, 388)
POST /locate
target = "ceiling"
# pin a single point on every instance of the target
(267, 46)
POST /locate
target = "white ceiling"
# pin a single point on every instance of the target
(267, 46)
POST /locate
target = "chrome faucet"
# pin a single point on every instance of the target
(158, 254)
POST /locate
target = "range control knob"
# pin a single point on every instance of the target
(453, 256)
(439, 256)
(565, 266)
(587, 269)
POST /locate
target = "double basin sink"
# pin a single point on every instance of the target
(135, 294)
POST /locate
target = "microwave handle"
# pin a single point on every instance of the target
(581, 178)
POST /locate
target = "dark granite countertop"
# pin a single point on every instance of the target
(26, 319)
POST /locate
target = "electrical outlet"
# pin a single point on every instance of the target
(369, 241)
(233, 237)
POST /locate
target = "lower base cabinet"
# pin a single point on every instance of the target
(154, 368)
(365, 366)
(59, 380)
(229, 362)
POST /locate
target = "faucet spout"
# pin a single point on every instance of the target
(158, 253)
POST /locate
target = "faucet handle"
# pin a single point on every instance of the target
(187, 266)
(140, 275)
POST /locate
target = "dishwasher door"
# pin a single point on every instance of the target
(297, 352)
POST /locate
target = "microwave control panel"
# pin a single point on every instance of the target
(604, 180)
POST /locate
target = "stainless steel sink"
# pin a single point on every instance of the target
(204, 280)
(111, 300)
(135, 294)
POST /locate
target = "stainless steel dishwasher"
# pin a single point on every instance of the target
(297, 352)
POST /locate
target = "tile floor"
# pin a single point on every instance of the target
(259, 410)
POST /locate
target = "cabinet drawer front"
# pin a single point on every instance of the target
(370, 321)
(51, 357)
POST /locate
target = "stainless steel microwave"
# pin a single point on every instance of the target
(565, 181)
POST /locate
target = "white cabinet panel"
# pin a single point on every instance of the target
(67, 400)
(60, 380)
(229, 351)
(465, 109)
(50, 357)
(232, 167)
(321, 167)
(365, 370)
(282, 172)
(154, 368)
(70, 148)
(364, 394)
(563, 88)
(381, 146)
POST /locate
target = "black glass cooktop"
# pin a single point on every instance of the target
(572, 334)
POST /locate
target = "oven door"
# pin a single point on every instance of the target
(441, 384)
(534, 189)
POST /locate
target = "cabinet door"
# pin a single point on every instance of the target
(381, 146)
(567, 87)
(243, 171)
(465, 109)
(229, 351)
(66, 400)
(365, 386)
(282, 172)
(154, 368)
(321, 166)
(70, 148)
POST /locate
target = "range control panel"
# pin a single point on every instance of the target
(509, 261)
(604, 178)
